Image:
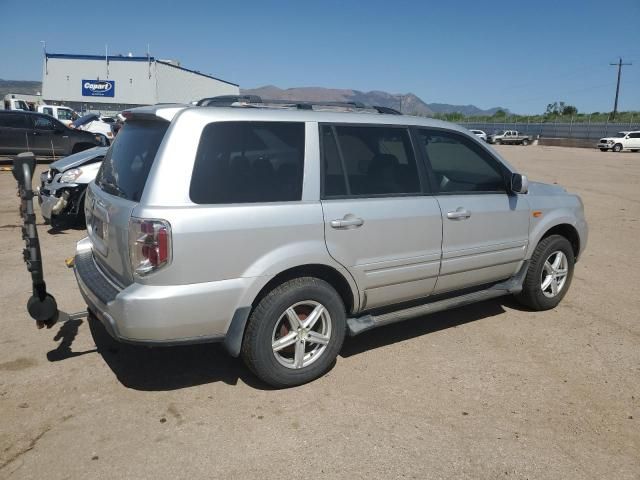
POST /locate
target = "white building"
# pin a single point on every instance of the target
(114, 83)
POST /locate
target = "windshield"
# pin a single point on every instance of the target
(620, 135)
(126, 166)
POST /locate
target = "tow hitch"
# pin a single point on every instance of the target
(41, 305)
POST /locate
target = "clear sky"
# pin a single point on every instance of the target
(520, 55)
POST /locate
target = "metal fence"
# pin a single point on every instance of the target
(587, 131)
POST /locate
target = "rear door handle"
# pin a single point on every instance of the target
(459, 214)
(349, 221)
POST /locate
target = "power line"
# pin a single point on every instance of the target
(615, 103)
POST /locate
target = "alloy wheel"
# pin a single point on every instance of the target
(554, 274)
(301, 334)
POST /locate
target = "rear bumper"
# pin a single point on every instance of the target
(157, 315)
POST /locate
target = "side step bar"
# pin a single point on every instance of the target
(357, 325)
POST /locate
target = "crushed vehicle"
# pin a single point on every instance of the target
(92, 122)
(509, 137)
(62, 187)
(620, 141)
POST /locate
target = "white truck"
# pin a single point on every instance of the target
(65, 114)
(621, 141)
(13, 101)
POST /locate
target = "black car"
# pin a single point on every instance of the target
(41, 134)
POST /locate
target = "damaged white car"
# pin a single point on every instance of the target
(62, 188)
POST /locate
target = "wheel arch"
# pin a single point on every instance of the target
(324, 272)
(569, 232)
(338, 280)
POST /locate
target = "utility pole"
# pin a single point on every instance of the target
(615, 103)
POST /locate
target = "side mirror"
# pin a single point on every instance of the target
(519, 183)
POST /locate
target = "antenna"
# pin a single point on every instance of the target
(149, 59)
(44, 52)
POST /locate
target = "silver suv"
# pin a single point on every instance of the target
(280, 229)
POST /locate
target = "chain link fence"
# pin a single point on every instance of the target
(582, 130)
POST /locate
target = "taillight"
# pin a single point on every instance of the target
(149, 244)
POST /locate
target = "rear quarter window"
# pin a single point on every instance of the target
(13, 120)
(247, 162)
(126, 165)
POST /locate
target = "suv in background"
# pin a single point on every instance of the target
(621, 141)
(40, 134)
(278, 230)
(480, 134)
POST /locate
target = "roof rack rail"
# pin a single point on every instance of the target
(228, 100)
(252, 100)
(389, 110)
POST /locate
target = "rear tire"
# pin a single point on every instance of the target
(525, 142)
(549, 275)
(617, 147)
(279, 344)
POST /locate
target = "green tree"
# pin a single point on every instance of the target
(569, 110)
(500, 113)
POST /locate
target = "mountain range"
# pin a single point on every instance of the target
(407, 103)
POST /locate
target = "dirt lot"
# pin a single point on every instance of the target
(487, 391)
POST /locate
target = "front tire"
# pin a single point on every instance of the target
(604, 149)
(525, 142)
(295, 332)
(617, 147)
(549, 275)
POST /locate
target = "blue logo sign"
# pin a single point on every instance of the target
(98, 88)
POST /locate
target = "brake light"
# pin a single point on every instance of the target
(149, 244)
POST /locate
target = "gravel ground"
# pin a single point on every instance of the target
(486, 391)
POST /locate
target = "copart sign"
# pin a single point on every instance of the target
(98, 88)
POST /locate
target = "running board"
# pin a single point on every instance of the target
(357, 325)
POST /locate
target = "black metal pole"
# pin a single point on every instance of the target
(615, 103)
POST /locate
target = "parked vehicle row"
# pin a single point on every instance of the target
(621, 141)
(279, 230)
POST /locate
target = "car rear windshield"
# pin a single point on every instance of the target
(126, 166)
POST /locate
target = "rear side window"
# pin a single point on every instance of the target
(459, 164)
(126, 165)
(366, 161)
(43, 123)
(13, 120)
(244, 162)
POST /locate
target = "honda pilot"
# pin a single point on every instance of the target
(280, 229)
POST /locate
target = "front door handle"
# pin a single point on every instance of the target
(459, 214)
(349, 221)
